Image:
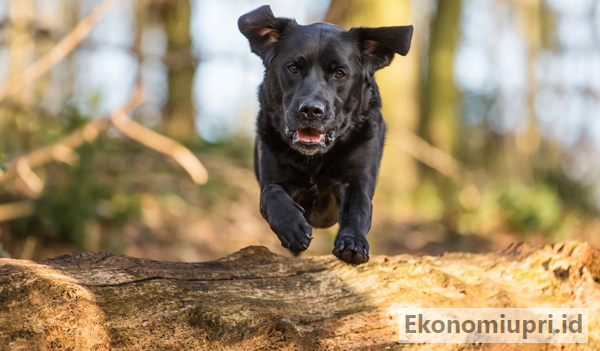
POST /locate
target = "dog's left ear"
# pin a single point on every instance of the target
(263, 31)
(380, 44)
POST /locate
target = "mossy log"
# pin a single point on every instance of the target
(256, 300)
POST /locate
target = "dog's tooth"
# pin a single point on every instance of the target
(295, 137)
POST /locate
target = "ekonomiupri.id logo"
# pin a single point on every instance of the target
(493, 325)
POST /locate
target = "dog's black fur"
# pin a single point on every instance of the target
(320, 132)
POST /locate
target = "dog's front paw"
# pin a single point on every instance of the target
(351, 249)
(292, 230)
(296, 236)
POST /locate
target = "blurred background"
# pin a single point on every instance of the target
(494, 126)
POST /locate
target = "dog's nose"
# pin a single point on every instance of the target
(312, 109)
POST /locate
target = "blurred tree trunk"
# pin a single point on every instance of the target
(440, 122)
(528, 141)
(141, 10)
(21, 14)
(398, 85)
(178, 114)
(71, 18)
(21, 48)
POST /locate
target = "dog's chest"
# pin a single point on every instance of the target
(311, 170)
(320, 204)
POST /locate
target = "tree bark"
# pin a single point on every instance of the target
(256, 300)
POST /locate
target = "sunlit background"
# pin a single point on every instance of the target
(494, 126)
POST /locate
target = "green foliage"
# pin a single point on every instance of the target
(429, 204)
(216, 190)
(3, 253)
(529, 209)
(2, 165)
(73, 115)
(574, 194)
(238, 148)
(80, 196)
(505, 206)
(75, 197)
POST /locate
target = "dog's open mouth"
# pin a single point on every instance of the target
(308, 135)
(310, 140)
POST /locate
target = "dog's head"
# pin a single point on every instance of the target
(319, 77)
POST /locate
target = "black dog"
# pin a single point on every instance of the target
(320, 132)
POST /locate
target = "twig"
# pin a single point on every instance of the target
(430, 155)
(16, 210)
(33, 182)
(60, 51)
(63, 150)
(46, 154)
(164, 145)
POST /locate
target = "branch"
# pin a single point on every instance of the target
(16, 210)
(63, 150)
(60, 51)
(33, 182)
(22, 166)
(430, 155)
(162, 144)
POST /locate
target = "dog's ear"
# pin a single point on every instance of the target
(263, 31)
(379, 45)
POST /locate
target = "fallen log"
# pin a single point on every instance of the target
(256, 300)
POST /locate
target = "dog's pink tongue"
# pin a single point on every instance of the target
(309, 135)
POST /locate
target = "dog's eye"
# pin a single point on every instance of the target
(339, 73)
(293, 69)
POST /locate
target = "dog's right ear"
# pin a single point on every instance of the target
(263, 31)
